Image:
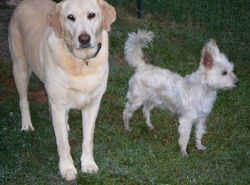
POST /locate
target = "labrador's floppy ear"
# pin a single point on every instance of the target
(108, 13)
(54, 20)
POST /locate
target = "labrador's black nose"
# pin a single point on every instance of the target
(84, 38)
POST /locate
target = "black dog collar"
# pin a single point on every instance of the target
(98, 49)
(96, 53)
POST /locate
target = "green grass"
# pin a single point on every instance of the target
(142, 156)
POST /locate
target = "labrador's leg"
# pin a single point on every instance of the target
(21, 73)
(60, 118)
(88, 120)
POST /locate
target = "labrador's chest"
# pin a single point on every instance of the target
(86, 91)
(78, 91)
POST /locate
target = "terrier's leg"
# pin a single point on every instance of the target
(200, 129)
(131, 106)
(146, 112)
(184, 131)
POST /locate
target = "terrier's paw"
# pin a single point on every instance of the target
(184, 153)
(127, 128)
(90, 167)
(151, 127)
(200, 147)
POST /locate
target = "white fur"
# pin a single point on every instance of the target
(191, 97)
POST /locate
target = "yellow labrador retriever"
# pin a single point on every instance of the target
(66, 46)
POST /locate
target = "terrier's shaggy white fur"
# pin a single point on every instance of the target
(191, 97)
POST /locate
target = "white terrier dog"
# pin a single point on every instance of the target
(191, 97)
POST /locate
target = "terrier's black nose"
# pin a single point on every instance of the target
(237, 82)
(84, 38)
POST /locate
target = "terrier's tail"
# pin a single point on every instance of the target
(133, 47)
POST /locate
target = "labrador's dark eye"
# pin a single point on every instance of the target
(71, 17)
(224, 73)
(91, 15)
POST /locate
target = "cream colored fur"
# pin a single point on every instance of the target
(60, 50)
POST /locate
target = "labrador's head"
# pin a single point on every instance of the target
(80, 23)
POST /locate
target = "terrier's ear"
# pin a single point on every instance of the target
(207, 58)
(213, 46)
(108, 14)
(55, 21)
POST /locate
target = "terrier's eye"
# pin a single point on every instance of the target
(224, 72)
(71, 17)
(91, 15)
